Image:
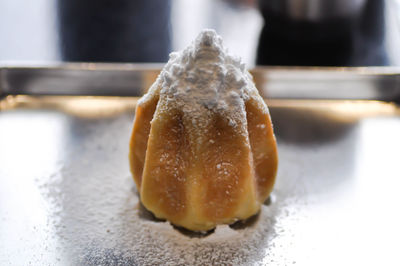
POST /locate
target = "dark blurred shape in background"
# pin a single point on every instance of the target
(322, 33)
(114, 30)
(269, 32)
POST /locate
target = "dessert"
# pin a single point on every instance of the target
(202, 150)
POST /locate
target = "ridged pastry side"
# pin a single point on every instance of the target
(200, 178)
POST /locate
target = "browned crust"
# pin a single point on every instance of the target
(263, 147)
(139, 138)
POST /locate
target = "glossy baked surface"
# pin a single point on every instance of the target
(196, 182)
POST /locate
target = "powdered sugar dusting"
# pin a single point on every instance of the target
(204, 79)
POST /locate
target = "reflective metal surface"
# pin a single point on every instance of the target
(380, 83)
(67, 197)
(78, 79)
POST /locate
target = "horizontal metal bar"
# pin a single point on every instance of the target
(374, 83)
(329, 83)
(79, 79)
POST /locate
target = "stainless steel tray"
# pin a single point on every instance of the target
(67, 197)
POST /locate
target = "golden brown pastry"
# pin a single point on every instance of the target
(202, 150)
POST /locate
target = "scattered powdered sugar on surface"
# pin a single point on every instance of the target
(92, 215)
(204, 79)
(95, 214)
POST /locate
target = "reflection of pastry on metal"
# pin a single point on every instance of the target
(202, 150)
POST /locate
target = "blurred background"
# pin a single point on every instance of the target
(265, 32)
